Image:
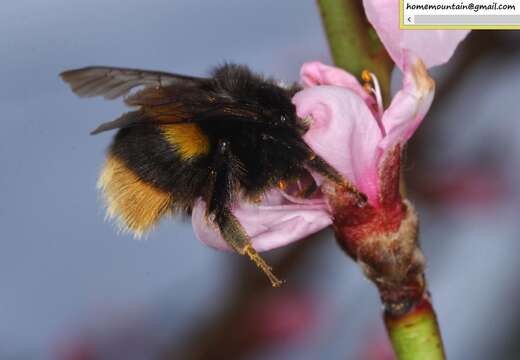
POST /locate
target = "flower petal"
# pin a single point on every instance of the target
(269, 225)
(315, 73)
(409, 105)
(434, 47)
(343, 132)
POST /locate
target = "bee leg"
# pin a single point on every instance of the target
(319, 165)
(219, 200)
(235, 235)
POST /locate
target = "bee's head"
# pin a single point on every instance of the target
(287, 119)
(277, 109)
(266, 98)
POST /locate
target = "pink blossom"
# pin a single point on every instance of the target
(276, 221)
(354, 134)
(434, 47)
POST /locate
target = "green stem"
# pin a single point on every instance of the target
(416, 334)
(353, 42)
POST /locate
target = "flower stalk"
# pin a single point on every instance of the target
(382, 237)
(416, 334)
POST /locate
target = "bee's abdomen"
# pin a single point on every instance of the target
(134, 202)
(165, 158)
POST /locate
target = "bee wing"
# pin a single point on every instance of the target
(128, 119)
(165, 99)
(170, 105)
(113, 82)
(174, 115)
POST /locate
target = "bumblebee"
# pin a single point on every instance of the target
(235, 133)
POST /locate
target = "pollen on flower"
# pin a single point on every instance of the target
(282, 185)
(365, 76)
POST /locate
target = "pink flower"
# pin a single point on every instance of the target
(434, 47)
(360, 132)
(277, 220)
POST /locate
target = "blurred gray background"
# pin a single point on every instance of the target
(71, 288)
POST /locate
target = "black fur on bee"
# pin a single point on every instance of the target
(232, 134)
